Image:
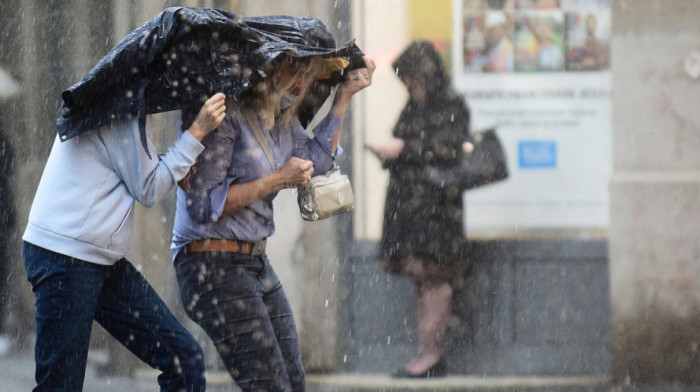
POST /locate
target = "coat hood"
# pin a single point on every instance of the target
(422, 62)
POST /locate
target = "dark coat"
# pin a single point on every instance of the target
(422, 219)
(184, 55)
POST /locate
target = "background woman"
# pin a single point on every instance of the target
(423, 235)
(222, 221)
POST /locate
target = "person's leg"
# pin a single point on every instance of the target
(66, 291)
(222, 292)
(280, 313)
(131, 310)
(433, 309)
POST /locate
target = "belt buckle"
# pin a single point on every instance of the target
(259, 248)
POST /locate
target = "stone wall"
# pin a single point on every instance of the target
(654, 251)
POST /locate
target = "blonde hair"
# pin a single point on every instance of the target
(266, 95)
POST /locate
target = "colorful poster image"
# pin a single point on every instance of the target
(539, 41)
(511, 36)
(536, 4)
(588, 41)
(487, 41)
(585, 5)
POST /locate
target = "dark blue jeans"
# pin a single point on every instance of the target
(70, 293)
(238, 300)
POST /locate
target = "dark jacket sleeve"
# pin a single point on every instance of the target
(445, 126)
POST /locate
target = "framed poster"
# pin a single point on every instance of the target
(538, 70)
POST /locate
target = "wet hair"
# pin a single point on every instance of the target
(421, 62)
(265, 96)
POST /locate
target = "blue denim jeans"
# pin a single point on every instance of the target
(70, 293)
(239, 301)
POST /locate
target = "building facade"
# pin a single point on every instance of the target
(585, 259)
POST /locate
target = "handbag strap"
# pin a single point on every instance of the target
(258, 135)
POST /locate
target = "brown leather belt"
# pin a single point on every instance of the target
(222, 245)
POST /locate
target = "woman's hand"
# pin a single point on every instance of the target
(209, 117)
(357, 80)
(295, 172)
(388, 150)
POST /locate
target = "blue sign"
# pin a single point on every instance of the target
(537, 154)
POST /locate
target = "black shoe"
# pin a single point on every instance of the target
(439, 369)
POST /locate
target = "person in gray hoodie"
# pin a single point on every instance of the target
(79, 230)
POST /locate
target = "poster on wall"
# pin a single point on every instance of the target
(539, 71)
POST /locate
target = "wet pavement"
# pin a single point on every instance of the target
(17, 374)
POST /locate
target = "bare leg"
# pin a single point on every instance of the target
(433, 309)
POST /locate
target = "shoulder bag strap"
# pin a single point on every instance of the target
(258, 135)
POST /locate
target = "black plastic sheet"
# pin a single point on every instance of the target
(184, 55)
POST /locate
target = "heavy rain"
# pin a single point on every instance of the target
(430, 195)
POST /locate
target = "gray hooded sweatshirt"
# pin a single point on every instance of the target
(84, 206)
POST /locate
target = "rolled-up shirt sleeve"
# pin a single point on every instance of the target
(209, 182)
(318, 149)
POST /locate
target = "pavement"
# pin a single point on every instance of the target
(17, 374)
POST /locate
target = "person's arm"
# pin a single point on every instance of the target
(294, 172)
(149, 180)
(388, 150)
(357, 80)
(450, 130)
(214, 192)
(325, 145)
(209, 179)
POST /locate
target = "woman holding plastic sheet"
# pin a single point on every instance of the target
(224, 215)
(423, 235)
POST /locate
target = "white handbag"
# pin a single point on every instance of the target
(326, 195)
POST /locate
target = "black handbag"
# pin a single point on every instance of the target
(484, 163)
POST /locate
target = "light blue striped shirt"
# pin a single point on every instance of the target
(233, 155)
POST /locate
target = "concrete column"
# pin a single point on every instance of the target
(382, 31)
(654, 213)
